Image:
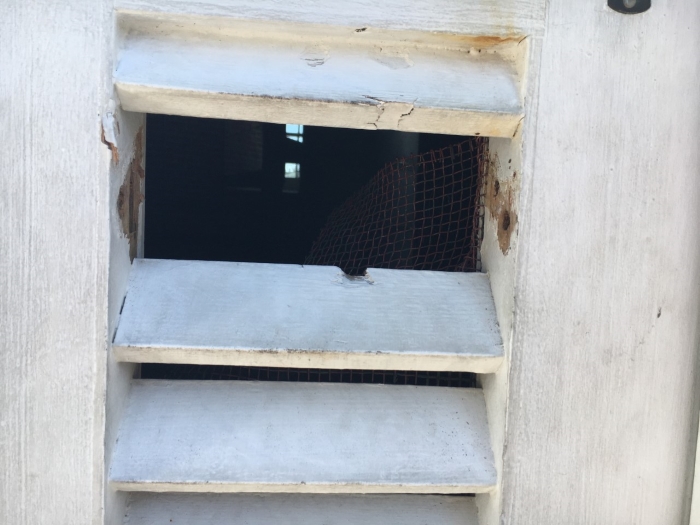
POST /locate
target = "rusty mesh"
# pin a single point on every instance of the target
(422, 212)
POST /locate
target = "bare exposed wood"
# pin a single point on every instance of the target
(320, 76)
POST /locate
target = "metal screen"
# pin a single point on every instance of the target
(423, 212)
(242, 373)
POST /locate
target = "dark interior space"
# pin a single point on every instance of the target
(222, 190)
(218, 189)
(314, 375)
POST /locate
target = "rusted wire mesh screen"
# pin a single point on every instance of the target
(242, 373)
(420, 213)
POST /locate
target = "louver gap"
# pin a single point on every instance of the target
(308, 375)
(290, 194)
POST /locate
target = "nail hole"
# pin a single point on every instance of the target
(505, 221)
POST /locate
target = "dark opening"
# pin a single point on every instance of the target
(252, 192)
(255, 192)
(316, 375)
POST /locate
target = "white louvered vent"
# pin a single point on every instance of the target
(237, 437)
(393, 72)
(234, 452)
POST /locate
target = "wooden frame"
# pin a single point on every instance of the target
(185, 59)
(596, 293)
(328, 75)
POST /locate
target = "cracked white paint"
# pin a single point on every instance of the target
(604, 442)
(315, 55)
(109, 126)
(367, 80)
(391, 114)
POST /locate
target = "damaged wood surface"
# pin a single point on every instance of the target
(499, 200)
(131, 196)
(258, 315)
(438, 84)
(111, 144)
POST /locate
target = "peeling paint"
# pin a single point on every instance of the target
(109, 131)
(392, 59)
(315, 56)
(499, 201)
(483, 41)
(131, 196)
(390, 114)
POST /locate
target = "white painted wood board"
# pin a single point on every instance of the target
(245, 436)
(307, 316)
(316, 77)
(695, 498)
(502, 18)
(298, 509)
(55, 78)
(125, 132)
(603, 394)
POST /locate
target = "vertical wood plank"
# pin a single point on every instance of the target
(602, 398)
(54, 248)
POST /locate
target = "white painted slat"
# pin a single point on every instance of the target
(472, 17)
(326, 77)
(307, 316)
(240, 436)
(298, 509)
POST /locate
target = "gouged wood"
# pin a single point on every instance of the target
(307, 316)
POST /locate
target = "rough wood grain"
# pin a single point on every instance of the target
(241, 436)
(256, 509)
(472, 17)
(307, 316)
(54, 250)
(602, 410)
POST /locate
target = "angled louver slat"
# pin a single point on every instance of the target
(313, 316)
(238, 436)
(296, 509)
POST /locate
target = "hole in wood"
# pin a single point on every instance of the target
(505, 221)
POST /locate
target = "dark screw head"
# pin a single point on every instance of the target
(629, 7)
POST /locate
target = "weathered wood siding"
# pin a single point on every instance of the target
(602, 400)
(601, 412)
(54, 249)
